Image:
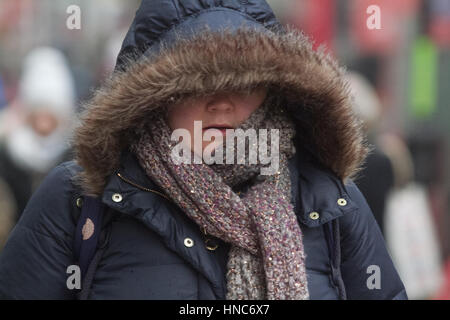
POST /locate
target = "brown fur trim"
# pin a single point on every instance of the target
(311, 82)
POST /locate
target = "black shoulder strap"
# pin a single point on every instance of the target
(86, 239)
(87, 232)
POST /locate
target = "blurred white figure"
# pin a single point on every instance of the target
(410, 231)
(36, 126)
(47, 103)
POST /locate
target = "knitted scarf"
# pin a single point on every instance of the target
(266, 259)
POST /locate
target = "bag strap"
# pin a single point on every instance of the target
(333, 237)
(89, 276)
(87, 235)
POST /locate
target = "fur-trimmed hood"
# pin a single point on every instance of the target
(310, 82)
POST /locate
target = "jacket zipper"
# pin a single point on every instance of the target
(141, 187)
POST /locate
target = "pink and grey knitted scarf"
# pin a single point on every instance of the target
(266, 259)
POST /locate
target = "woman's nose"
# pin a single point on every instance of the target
(220, 103)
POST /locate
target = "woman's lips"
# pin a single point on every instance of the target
(221, 128)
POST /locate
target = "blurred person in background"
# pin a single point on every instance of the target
(37, 124)
(376, 179)
(410, 232)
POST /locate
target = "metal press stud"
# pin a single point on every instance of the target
(117, 197)
(188, 242)
(342, 202)
(314, 215)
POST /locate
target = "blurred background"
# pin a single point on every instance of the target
(398, 62)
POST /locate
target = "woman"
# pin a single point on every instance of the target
(210, 231)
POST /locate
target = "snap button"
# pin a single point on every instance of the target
(342, 202)
(211, 246)
(314, 215)
(117, 197)
(79, 202)
(188, 242)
